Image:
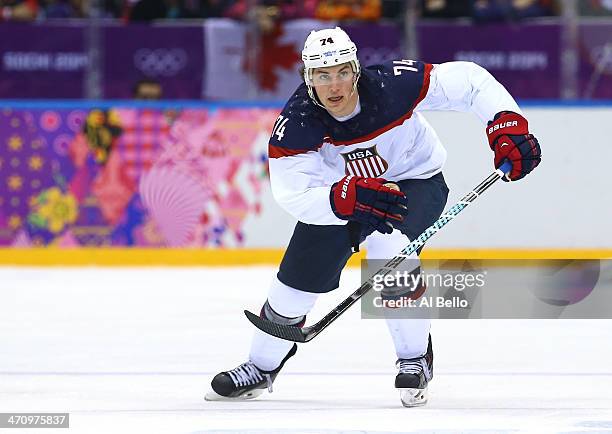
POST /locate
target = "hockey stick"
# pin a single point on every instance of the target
(306, 334)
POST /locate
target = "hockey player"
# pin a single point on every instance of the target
(349, 155)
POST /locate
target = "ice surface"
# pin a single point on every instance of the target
(129, 350)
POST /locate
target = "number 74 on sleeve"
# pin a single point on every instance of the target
(279, 127)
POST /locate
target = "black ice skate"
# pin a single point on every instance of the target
(413, 376)
(246, 381)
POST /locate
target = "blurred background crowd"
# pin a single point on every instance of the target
(268, 11)
(250, 49)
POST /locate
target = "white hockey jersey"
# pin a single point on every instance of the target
(310, 150)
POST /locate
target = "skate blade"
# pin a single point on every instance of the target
(413, 397)
(214, 396)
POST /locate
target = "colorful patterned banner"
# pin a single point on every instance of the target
(131, 177)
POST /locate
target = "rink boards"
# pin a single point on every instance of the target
(558, 211)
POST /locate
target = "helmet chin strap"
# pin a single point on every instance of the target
(355, 85)
(313, 96)
(354, 88)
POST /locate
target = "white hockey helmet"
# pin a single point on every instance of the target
(328, 47)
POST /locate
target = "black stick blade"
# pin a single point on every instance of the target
(288, 333)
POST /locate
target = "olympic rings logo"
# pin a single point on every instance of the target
(160, 61)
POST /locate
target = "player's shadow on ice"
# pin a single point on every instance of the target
(280, 404)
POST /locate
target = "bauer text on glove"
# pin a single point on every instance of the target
(509, 138)
(368, 201)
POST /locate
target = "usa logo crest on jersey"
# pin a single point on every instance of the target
(365, 162)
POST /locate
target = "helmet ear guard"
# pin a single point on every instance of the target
(325, 48)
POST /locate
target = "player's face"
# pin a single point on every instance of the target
(334, 87)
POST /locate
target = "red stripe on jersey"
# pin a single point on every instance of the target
(367, 168)
(379, 166)
(364, 170)
(424, 88)
(278, 151)
(374, 134)
(371, 168)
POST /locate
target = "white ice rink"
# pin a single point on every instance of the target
(133, 351)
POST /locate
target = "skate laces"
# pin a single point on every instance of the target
(414, 366)
(248, 374)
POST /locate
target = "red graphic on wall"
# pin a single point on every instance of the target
(273, 55)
